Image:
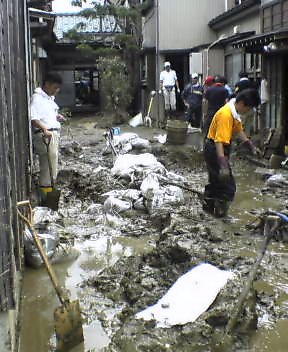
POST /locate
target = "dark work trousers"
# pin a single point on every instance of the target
(194, 115)
(216, 188)
(207, 122)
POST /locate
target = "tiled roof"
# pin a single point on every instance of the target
(66, 22)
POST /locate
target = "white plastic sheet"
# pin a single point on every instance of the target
(189, 297)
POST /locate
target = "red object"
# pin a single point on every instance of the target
(209, 80)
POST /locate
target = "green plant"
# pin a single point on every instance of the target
(115, 83)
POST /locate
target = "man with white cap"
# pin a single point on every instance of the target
(192, 96)
(168, 80)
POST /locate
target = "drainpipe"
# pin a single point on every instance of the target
(157, 3)
(226, 5)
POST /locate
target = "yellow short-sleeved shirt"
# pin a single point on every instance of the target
(224, 125)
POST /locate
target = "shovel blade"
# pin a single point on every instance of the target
(68, 326)
(52, 199)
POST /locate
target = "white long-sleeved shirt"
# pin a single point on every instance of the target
(44, 109)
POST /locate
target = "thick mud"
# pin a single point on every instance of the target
(123, 269)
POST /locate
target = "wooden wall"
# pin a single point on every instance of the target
(14, 142)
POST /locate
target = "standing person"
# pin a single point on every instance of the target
(216, 96)
(226, 123)
(168, 80)
(45, 124)
(192, 96)
(244, 83)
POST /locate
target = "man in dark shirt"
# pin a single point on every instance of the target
(244, 83)
(216, 95)
(192, 96)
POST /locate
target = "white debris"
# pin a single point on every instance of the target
(124, 194)
(126, 164)
(136, 121)
(189, 297)
(277, 180)
(115, 206)
(161, 138)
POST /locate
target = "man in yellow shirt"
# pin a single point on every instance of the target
(226, 123)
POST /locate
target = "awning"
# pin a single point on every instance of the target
(257, 42)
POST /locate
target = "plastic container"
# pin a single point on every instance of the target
(116, 131)
(176, 131)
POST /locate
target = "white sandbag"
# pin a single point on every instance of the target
(125, 164)
(140, 143)
(124, 194)
(136, 121)
(189, 297)
(114, 206)
(149, 186)
(166, 196)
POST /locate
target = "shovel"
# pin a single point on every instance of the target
(52, 198)
(67, 317)
(147, 118)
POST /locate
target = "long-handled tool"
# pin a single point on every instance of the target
(109, 138)
(147, 118)
(268, 234)
(52, 198)
(68, 321)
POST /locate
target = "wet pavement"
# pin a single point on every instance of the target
(121, 270)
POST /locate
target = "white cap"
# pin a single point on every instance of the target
(194, 75)
(167, 63)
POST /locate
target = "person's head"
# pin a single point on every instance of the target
(243, 74)
(167, 65)
(246, 100)
(209, 81)
(52, 83)
(194, 78)
(220, 80)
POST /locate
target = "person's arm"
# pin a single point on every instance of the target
(39, 125)
(248, 143)
(177, 85)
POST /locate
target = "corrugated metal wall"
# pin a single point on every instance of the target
(14, 142)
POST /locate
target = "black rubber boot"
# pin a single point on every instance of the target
(221, 208)
(208, 205)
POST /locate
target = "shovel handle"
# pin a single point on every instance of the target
(47, 141)
(40, 248)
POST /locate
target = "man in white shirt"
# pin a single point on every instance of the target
(168, 80)
(45, 124)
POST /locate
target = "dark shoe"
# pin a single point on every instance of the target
(221, 208)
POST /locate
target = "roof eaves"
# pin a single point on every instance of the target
(233, 11)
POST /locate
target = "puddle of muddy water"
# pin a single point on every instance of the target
(39, 298)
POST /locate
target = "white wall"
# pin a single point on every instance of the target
(183, 24)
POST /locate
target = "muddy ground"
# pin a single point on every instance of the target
(171, 242)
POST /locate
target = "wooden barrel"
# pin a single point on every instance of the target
(176, 131)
